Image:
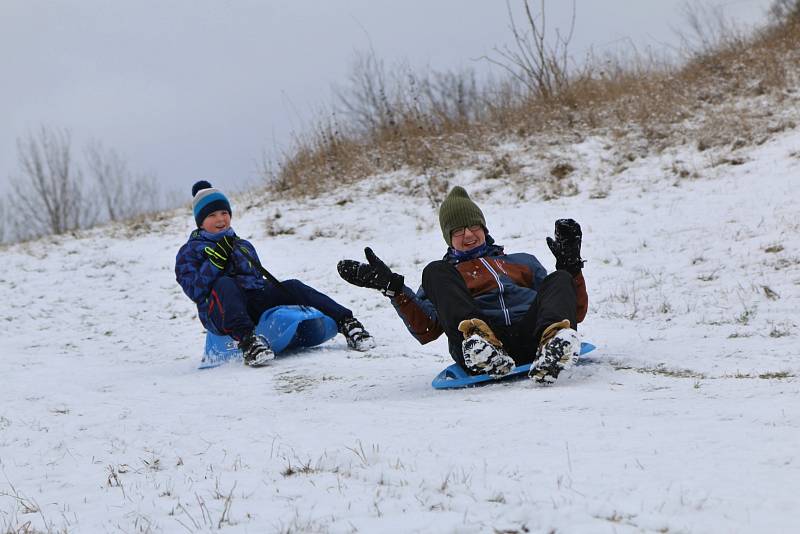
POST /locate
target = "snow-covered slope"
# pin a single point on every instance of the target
(685, 419)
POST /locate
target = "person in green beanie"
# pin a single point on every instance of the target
(498, 310)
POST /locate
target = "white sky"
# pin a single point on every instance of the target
(191, 89)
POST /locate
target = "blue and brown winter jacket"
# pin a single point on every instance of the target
(196, 274)
(503, 285)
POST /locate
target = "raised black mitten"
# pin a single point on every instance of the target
(566, 247)
(374, 274)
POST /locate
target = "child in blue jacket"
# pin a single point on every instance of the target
(222, 274)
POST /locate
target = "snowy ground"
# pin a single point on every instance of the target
(686, 420)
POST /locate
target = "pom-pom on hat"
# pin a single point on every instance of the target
(458, 211)
(206, 200)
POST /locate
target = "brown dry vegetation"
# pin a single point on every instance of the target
(436, 123)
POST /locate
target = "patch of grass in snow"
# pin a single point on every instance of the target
(785, 263)
(11, 523)
(299, 468)
(661, 370)
(772, 375)
(746, 315)
(779, 375)
(780, 330)
(709, 277)
(292, 383)
(301, 523)
(619, 518)
(736, 335)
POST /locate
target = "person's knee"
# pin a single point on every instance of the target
(558, 278)
(293, 284)
(435, 269)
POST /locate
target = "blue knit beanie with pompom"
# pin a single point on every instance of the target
(206, 200)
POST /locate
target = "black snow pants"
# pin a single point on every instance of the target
(556, 300)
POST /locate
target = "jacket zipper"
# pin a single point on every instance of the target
(500, 295)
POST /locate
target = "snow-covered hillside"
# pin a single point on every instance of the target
(686, 418)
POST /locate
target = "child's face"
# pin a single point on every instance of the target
(217, 221)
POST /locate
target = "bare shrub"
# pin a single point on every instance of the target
(379, 103)
(365, 99)
(4, 226)
(539, 65)
(320, 157)
(453, 97)
(124, 194)
(389, 121)
(783, 11)
(710, 30)
(51, 194)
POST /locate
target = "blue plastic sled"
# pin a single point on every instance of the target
(285, 327)
(455, 376)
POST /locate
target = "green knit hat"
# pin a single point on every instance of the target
(458, 211)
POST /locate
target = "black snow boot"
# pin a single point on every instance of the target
(256, 350)
(356, 335)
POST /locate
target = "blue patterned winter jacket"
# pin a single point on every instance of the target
(196, 274)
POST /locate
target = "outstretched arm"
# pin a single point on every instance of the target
(415, 310)
(374, 275)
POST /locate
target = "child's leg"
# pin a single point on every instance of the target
(299, 293)
(311, 297)
(227, 309)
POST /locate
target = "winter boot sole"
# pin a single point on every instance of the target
(559, 353)
(480, 356)
(260, 360)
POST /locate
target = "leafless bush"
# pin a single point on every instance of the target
(4, 221)
(123, 194)
(452, 97)
(541, 66)
(710, 30)
(365, 99)
(395, 104)
(783, 11)
(51, 194)
(388, 122)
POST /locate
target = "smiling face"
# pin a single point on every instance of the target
(217, 221)
(467, 238)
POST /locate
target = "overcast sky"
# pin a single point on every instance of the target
(190, 89)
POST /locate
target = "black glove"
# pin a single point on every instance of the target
(566, 247)
(374, 275)
(220, 252)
